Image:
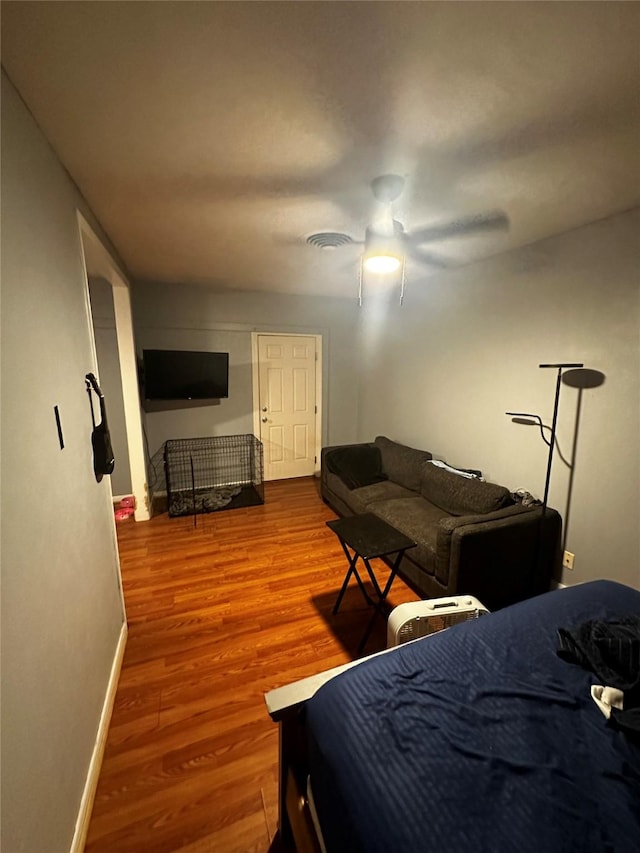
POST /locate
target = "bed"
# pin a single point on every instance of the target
(479, 738)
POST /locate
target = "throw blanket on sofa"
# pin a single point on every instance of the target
(357, 466)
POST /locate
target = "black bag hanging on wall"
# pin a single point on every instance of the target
(103, 459)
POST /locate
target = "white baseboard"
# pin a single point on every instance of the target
(117, 498)
(91, 782)
(557, 585)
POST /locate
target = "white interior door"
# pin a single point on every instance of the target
(287, 399)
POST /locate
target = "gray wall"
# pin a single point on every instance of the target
(179, 317)
(104, 329)
(61, 607)
(440, 371)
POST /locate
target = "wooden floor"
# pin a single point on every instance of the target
(218, 615)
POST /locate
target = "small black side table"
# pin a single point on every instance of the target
(369, 537)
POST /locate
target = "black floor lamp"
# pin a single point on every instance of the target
(528, 418)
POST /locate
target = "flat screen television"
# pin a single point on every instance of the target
(181, 375)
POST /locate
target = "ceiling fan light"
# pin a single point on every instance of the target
(382, 263)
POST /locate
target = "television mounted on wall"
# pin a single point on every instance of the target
(183, 375)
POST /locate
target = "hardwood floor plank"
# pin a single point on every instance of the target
(218, 615)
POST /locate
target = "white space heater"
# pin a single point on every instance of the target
(420, 618)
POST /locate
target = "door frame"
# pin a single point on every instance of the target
(255, 381)
(127, 356)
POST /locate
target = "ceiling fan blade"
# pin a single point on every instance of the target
(427, 258)
(492, 220)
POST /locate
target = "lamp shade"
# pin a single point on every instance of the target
(382, 252)
(381, 263)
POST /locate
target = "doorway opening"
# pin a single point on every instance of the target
(101, 268)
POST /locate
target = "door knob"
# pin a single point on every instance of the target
(264, 408)
(264, 420)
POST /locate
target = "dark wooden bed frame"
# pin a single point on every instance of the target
(296, 830)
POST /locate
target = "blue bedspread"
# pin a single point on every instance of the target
(479, 738)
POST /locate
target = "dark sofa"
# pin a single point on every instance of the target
(473, 537)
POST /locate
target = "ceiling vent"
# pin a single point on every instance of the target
(328, 239)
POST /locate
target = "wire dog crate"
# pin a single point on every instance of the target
(210, 474)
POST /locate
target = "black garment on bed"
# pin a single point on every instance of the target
(611, 650)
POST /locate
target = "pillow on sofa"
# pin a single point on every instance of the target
(460, 495)
(400, 463)
(356, 466)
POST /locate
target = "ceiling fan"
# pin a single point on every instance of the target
(387, 244)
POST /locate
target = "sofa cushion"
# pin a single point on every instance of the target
(418, 519)
(368, 497)
(400, 463)
(356, 466)
(460, 495)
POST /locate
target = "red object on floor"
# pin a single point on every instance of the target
(121, 514)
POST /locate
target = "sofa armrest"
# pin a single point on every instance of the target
(450, 524)
(499, 557)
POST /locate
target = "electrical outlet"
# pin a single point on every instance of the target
(567, 559)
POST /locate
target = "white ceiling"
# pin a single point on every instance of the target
(210, 138)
